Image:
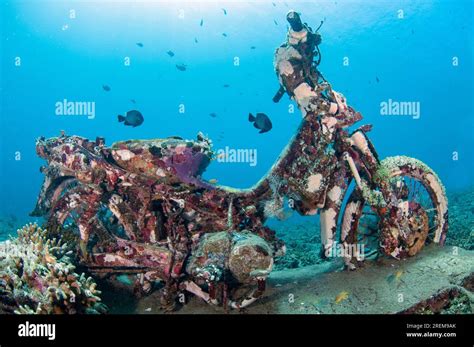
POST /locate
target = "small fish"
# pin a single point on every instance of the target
(195, 40)
(226, 85)
(252, 47)
(133, 101)
(213, 115)
(139, 44)
(398, 274)
(106, 88)
(225, 12)
(395, 277)
(170, 53)
(132, 118)
(261, 121)
(202, 22)
(377, 79)
(181, 67)
(213, 181)
(224, 34)
(274, 5)
(341, 297)
(274, 21)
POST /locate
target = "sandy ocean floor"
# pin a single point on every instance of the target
(383, 286)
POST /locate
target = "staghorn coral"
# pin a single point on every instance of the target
(37, 277)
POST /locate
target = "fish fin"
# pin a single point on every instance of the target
(251, 118)
(256, 126)
(121, 118)
(262, 131)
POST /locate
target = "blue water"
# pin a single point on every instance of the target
(71, 58)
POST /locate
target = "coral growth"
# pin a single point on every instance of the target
(37, 277)
(461, 213)
(273, 207)
(453, 300)
(303, 245)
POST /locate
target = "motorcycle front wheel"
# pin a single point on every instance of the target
(421, 198)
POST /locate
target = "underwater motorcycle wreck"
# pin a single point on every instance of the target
(141, 206)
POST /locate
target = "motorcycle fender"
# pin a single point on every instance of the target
(363, 145)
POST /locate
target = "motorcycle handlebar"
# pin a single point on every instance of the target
(294, 20)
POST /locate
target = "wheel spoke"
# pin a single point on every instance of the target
(419, 225)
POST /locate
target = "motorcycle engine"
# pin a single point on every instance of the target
(242, 256)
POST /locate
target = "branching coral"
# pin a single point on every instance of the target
(37, 277)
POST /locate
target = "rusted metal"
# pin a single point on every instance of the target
(143, 207)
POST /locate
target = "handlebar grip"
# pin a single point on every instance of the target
(294, 20)
(279, 94)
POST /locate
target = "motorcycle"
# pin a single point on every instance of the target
(142, 207)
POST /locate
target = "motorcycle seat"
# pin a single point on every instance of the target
(173, 157)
